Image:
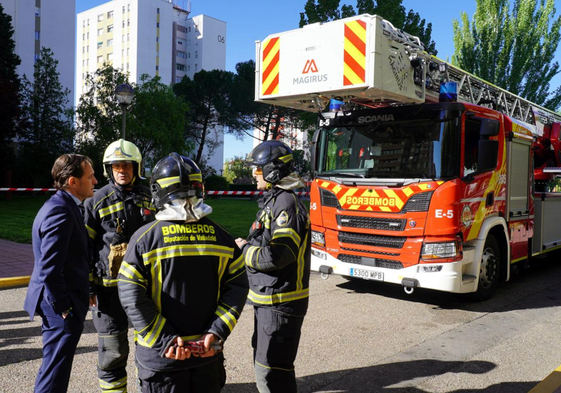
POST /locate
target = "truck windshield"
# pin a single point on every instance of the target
(421, 148)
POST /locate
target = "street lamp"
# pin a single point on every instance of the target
(125, 94)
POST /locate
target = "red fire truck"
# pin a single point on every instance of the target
(426, 175)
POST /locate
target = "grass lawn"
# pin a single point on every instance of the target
(17, 215)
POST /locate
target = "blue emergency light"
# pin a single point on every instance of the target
(335, 105)
(448, 92)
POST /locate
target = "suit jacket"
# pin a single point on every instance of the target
(60, 248)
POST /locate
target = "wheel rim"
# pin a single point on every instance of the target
(488, 271)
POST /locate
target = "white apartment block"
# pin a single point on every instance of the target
(154, 37)
(49, 24)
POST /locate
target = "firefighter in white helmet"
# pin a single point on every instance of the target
(114, 213)
(183, 285)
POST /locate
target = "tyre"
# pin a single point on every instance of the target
(488, 270)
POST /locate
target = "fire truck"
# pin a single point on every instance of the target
(426, 175)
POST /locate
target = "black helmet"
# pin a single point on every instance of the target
(274, 157)
(174, 177)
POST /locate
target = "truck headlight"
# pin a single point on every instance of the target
(318, 239)
(441, 250)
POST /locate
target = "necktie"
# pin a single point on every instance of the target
(82, 209)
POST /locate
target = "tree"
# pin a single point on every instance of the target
(237, 171)
(391, 10)
(207, 95)
(98, 115)
(46, 122)
(157, 120)
(9, 90)
(513, 48)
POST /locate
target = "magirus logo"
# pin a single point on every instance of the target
(309, 67)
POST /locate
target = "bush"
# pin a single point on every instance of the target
(243, 187)
(216, 183)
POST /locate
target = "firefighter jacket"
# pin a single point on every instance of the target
(277, 254)
(112, 216)
(181, 279)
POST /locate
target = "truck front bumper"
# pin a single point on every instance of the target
(456, 277)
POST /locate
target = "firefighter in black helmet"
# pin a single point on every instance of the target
(182, 284)
(111, 216)
(277, 256)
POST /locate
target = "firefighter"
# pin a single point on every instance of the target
(115, 212)
(183, 286)
(277, 257)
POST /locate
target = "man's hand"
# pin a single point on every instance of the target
(241, 242)
(93, 301)
(208, 339)
(177, 351)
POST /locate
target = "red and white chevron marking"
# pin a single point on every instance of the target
(227, 193)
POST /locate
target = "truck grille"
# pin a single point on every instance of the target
(329, 199)
(385, 263)
(418, 203)
(388, 254)
(371, 240)
(382, 224)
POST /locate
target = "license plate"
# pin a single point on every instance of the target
(367, 274)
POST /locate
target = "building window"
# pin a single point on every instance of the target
(158, 11)
(180, 42)
(181, 54)
(157, 24)
(123, 24)
(100, 44)
(83, 36)
(128, 51)
(100, 17)
(128, 36)
(110, 15)
(123, 39)
(189, 29)
(195, 67)
(157, 68)
(180, 67)
(189, 55)
(109, 56)
(99, 59)
(177, 79)
(99, 31)
(123, 9)
(83, 49)
(188, 68)
(196, 54)
(128, 22)
(157, 39)
(109, 28)
(84, 23)
(110, 42)
(128, 9)
(88, 22)
(37, 35)
(88, 35)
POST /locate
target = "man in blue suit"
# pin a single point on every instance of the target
(59, 286)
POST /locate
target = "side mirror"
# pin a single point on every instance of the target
(487, 156)
(489, 127)
(313, 146)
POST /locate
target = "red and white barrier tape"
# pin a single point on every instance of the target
(233, 193)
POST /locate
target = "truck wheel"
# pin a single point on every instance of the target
(488, 270)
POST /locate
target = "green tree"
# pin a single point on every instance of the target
(46, 123)
(98, 115)
(237, 171)
(513, 48)
(207, 95)
(157, 120)
(391, 10)
(9, 91)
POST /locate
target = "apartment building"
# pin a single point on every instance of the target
(49, 24)
(154, 37)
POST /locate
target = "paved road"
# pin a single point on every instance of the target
(364, 337)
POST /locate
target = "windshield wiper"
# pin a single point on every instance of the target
(345, 174)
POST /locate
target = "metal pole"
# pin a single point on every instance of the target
(124, 123)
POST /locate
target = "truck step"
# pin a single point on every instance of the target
(467, 278)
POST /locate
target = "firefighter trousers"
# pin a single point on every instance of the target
(111, 323)
(275, 344)
(208, 378)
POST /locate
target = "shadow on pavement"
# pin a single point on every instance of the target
(395, 377)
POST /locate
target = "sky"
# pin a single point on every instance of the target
(252, 20)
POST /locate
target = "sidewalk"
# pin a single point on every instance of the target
(16, 264)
